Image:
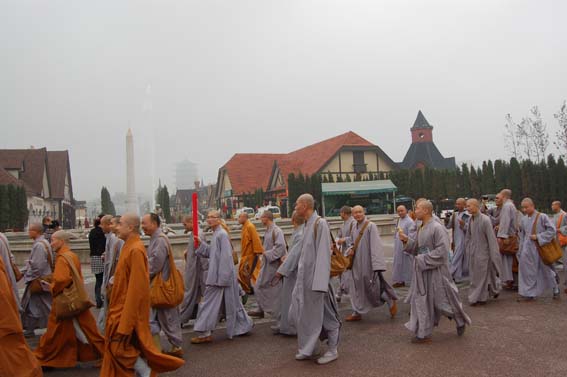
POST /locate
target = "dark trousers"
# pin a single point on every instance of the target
(97, 289)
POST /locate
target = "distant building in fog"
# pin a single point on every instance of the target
(186, 174)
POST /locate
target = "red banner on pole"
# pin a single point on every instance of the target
(195, 219)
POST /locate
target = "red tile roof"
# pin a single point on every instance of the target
(314, 157)
(31, 163)
(250, 171)
(8, 179)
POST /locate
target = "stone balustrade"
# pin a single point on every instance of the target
(20, 243)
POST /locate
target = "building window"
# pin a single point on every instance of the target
(358, 162)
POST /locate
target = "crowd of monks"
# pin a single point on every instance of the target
(291, 282)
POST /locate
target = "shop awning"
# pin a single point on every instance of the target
(358, 188)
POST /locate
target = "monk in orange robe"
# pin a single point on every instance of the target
(129, 344)
(70, 340)
(16, 359)
(250, 251)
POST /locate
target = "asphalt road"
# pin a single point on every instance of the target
(506, 339)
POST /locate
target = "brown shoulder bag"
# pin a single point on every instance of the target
(73, 300)
(550, 252)
(167, 293)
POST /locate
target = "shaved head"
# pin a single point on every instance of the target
(473, 202)
(528, 206)
(460, 201)
(473, 206)
(527, 201)
(63, 235)
(358, 213)
(506, 193)
(307, 199)
(132, 220)
(426, 206)
(36, 227)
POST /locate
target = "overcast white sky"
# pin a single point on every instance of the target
(269, 76)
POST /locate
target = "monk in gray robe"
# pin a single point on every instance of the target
(534, 276)
(268, 293)
(8, 258)
(37, 306)
(457, 223)
(344, 241)
(560, 222)
(314, 310)
(506, 228)
(484, 256)
(433, 292)
(403, 262)
(223, 291)
(110, 257)
(162, 319)
(368, 264)
(288, 271)
(195, 276)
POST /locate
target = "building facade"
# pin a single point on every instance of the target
(423, 152)
(344, 157)
(46, 177)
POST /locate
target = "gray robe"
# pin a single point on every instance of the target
(484, 259)
(460, 262)
(507, 226)
(267, 295)
(166, 320)
(111, 255)
(403, 262)
(534, 277)
(562, 228)
(346, 231)
(314, 310)
(195, 281)
(36, 308)
(288, 270)
(222, 291)
(368, 259)
(7, 258)
(433, 292)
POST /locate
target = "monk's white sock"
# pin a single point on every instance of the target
(333, 340)
(141, 368)
(79, 333)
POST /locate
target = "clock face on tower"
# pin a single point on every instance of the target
(421, 135)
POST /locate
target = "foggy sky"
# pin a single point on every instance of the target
(269, 76)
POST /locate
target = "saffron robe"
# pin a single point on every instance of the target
(61, 346)
(129, 317)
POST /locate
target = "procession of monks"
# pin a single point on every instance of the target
(291, 281)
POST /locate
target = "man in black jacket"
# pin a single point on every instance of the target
(97, 243)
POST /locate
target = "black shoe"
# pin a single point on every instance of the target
(99, 305)
(244, 299)
(461, 330)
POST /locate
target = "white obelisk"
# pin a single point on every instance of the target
(131, 198)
